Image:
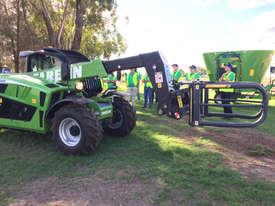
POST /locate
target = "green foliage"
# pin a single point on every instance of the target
(24, 27)
(16, 32)
(100, 36)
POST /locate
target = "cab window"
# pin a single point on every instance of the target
(40, 62)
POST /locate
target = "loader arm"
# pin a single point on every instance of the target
(157, 69)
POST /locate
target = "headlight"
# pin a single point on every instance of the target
(79, 85)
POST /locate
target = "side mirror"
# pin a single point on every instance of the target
(65, 71)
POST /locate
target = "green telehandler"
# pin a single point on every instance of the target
(61, 91)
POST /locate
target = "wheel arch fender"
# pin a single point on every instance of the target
(70, 100)
(115, 93)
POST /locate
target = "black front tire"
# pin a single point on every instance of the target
(76, 130)
(123, 120)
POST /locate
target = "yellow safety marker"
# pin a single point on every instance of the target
(33, 100)
(251, 72)
(212, 86)
(234, 58)
(180, 102)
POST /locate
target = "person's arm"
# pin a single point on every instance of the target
(110, 81)
(221, 78)
(145, 80)
(179, 75)
(138, 78)
(115, 79)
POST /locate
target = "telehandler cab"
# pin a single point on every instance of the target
(61, 91)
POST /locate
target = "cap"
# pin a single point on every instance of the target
(193, 67)
(175, 65)
(228, 65)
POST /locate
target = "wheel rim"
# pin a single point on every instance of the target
(117, 119)
(69, 132)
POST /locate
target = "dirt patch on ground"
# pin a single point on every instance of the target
(235, 145)
(92, 191)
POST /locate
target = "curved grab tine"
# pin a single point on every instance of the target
(204, 86)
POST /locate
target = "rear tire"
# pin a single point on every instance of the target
(123, 120)
(75, 130)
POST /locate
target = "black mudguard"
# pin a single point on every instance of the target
(60, 103)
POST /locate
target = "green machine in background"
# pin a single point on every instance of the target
(248, 65)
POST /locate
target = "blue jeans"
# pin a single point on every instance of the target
(148, 93)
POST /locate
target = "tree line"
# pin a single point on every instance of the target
(88, 26)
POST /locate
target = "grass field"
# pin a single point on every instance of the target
(162, 162)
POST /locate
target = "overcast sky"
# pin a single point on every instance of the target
(184, 29)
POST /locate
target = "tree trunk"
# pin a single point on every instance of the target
(44, 12)
(48, 22)
(61, 26)
(78, 24)
(16, 55)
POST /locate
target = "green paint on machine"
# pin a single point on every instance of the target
(249, 65)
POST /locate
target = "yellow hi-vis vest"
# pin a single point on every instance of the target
(134, 79)
(147, 84)
(192, 76)
(230, 75)
(176, 74)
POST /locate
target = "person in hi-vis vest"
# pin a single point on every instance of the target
(148, 91)
(132, 82)
(111, 80)
(177, 73)
(193, 75)
(228, 76)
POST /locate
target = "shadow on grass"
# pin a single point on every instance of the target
(152, 153)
